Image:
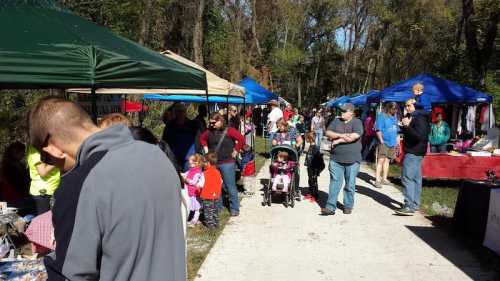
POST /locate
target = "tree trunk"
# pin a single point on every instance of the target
(198, 32)
(254, 28)
(145, 24)
(479, 57)
(299, 94)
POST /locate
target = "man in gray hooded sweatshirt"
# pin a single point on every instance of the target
(117, 210)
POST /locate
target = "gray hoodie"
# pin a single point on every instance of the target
(117, 213)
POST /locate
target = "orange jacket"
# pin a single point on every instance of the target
(213, 183)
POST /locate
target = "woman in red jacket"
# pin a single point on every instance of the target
(226, 143)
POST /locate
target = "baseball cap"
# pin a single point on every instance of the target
(347, 107)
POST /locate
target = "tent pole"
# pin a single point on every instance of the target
(93, 104)
(227, 108)
(206, 95)
(490, 114)
(141, 114)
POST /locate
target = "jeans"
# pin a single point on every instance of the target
(438, 148)
(271, 137)
(319, 137)
(368, 148)
(210, 213)
(338, 172)
(411, 179)
(228, 172)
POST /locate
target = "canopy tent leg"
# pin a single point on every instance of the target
(491, 117)
(227, 109)
(141, 114)
(93, 105)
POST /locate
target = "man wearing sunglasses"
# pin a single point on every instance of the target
(117, 212)
(416, 129)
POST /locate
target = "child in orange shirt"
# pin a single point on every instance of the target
(211, 191)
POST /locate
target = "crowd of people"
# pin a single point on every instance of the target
(119, 177)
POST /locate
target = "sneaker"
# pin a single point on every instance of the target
(347, 211)
(378, 184)
(405, 212)
(386, 182)
(327, 212)
(235, 214)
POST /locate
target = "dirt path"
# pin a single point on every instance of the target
(276, 243)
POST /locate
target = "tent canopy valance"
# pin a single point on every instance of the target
(249, 98)
(440, 91)
(216, 85)
(46, 46)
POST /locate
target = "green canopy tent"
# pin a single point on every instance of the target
(45, 46)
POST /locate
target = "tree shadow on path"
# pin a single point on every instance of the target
(379, 197)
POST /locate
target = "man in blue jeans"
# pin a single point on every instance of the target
(345, 159)
(415, 127)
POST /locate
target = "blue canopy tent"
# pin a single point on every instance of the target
(255, 88)
(250, 98)
(363, 99)
(254, 94)
(440, 90)
(337, 101)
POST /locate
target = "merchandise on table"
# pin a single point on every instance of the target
(23, 270)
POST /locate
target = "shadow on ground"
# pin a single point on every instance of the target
(380, 198)
(452, 249)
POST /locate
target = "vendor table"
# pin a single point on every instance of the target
(444, 166)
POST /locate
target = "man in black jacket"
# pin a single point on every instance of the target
(416, 134)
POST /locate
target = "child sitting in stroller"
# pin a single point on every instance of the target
(282, 170)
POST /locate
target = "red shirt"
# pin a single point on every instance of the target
(287, 114)
(213, 183)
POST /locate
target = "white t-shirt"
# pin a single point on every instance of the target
(318, 123)
(273, 117)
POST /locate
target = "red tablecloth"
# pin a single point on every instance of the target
(443, 166)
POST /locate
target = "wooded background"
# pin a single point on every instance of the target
(310, 50)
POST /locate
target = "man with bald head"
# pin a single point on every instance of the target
(117, 210)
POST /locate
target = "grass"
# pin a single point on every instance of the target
(200, 240)
(438, 197)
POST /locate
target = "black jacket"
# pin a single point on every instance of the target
(416, 135)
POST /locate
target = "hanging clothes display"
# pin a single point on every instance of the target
(461, 118)
(470, 119)
(484, 118)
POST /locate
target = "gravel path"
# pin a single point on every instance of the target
(278, 243)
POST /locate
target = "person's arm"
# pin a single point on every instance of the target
(44, 169)
(331, 134)
(79, 241)
(357, 132)
(419, 131)
(380, 137)
(237, 137)
(204, 141)
(299, 140)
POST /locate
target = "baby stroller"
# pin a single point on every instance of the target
(289, 188)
